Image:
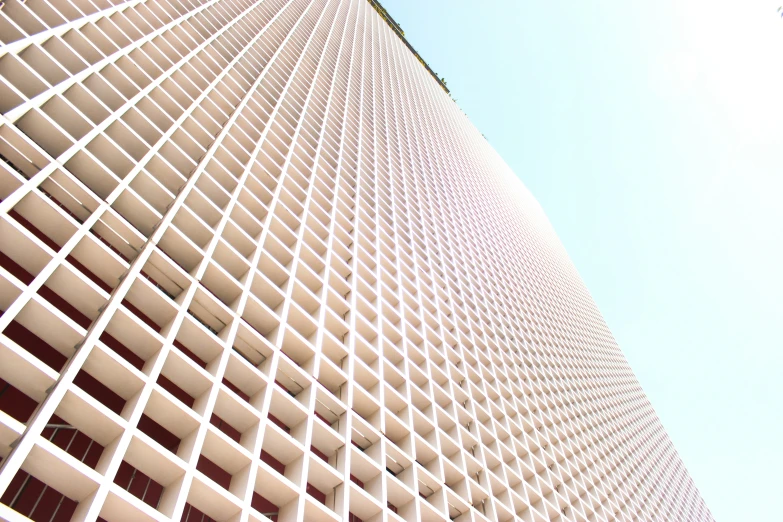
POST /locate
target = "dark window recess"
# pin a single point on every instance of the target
(14, 167)
(35, 345)
(34, 231)
(138, 313)
(159, 434)
(323, 418)
(196, 359)
(191, 514)
(356, 481)
(202, 322)
(236, 390)
(15, 403)
(280, 424)
(65, 307)
(320, 454)
(175, 390)
(15, 269)
(45, 292)
(357, 445)
(272, 462)
(316, 493)
(123, 351)
(354, 518)
(289, 392)
(99, 391)
(391, 507)
(57, 202)
(264, 506)
(37, 501)
(226, 428)
(88, 274)
(72, 441)
(156, 284)
(138, 484)
(213, 471)
(393, 474)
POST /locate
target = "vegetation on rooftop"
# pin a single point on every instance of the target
(397, 29)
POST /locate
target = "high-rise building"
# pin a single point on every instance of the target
(257, 265)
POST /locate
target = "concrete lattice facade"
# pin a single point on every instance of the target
(256, 264)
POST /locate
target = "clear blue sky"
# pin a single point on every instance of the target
(652, 135)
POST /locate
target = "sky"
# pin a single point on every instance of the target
(652, 135)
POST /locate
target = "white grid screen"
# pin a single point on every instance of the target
(255, 264)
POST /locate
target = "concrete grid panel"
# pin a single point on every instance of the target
(255, 264)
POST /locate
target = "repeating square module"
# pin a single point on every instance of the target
(255, 264)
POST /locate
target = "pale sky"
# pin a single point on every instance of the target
(652, 135)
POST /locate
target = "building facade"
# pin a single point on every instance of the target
(256, 264)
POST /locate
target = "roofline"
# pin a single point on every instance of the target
(401, 34)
